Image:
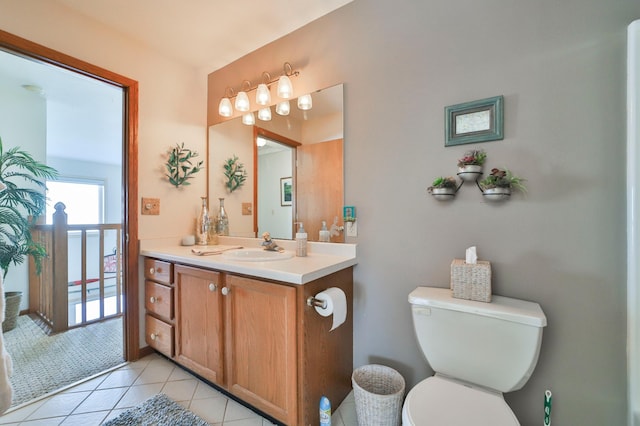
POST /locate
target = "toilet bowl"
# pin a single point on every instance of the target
(478, 351)
(438, 401)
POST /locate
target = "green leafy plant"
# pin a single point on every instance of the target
(235, 173)
(443, 182)
(475, 157)
(180, 167)
(502, 178)
(22, 200)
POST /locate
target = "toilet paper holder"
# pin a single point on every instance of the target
(319, 303)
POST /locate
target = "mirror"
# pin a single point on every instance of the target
(296, 176)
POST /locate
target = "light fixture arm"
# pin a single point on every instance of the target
(229, 92)
(287, 70)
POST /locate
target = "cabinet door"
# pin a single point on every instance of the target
(261, 345)
(199, 331)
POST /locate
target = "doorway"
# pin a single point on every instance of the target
(128, 206)
(273, 170)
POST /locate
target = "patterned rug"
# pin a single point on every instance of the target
(42, 364)
(159, 410)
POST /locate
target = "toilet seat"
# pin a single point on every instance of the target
(442, 401)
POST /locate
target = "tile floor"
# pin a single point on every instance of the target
(97, 400)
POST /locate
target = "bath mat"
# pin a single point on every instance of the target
(159, 410)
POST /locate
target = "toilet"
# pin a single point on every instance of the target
(478, 351)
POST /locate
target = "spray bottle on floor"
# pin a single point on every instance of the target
(325, 411)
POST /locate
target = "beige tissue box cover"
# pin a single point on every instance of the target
(471, 281)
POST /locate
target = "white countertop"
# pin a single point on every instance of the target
(322, 258)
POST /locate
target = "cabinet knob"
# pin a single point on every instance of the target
(152, 299)
(226, 290)
(154, 336)
(152, 271)
(213, 287)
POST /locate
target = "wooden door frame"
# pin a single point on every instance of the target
(283, 140)
(41, 53)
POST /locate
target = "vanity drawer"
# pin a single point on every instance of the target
(158, 299)
(159, 335)
(158, 270)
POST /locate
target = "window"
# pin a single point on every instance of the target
(84, 200)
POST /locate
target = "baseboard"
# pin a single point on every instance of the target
(142, 352)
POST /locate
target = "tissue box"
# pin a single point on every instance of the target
(471, 281)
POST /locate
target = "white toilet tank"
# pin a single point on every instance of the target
(495, 345)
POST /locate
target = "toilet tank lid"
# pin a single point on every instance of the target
(506, 308)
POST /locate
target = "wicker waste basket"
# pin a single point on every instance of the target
(379, 392)
(11, 309)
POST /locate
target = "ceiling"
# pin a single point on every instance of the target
(207, 34)
(204, 34)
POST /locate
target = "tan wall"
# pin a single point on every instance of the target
(171, 103)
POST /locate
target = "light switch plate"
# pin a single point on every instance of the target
(151, 206)
(247, 210)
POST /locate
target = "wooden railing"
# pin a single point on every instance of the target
(49, 291)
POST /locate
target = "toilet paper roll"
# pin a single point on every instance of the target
(336, 305)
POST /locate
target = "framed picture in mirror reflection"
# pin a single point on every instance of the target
(285, 191)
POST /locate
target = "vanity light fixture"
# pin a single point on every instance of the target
(264, 114)
(285, 88)
(263, 94)
(242, 100)
(225, 108)
(305, 102)
(249, 119)
(283, 108)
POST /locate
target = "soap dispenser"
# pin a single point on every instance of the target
(301, 241)
(325, 235)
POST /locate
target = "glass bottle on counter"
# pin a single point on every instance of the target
(213, 232)
(202, 224)
(222, 220)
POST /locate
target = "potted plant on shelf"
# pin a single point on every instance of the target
(22, 200)
(470, 166)
(443, 188)
(498, 185)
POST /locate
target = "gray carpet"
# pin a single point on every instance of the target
(159, 410)
(43, 364)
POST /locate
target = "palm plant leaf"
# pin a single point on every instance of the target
(23, 199)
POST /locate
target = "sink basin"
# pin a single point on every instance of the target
(255, 255)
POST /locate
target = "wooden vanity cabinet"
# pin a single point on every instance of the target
(159, 318)
(199, 320)
(259, 340)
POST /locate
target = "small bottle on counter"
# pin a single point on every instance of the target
(222, 220)
(325, 235)
(202, 224)
(301, 241)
